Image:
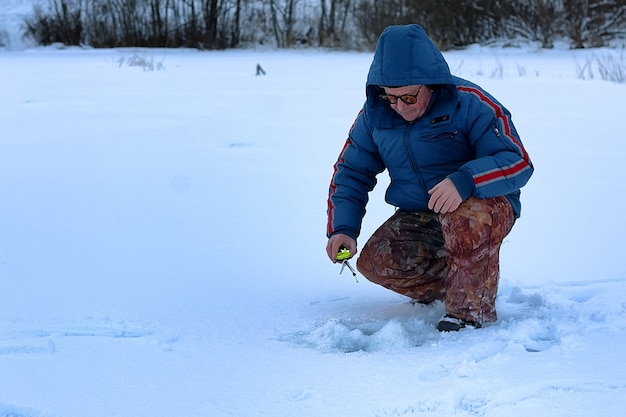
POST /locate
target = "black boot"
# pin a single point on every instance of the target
(450, 323)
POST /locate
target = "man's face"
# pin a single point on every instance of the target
(409, 93)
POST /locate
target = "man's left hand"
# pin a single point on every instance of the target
(444, 197)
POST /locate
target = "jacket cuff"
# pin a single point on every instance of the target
(347, 231)
(463, 182)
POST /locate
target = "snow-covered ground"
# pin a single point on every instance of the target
(162, 244)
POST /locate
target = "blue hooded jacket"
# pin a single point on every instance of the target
(465, 135)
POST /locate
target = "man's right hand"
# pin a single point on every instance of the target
(336, 242)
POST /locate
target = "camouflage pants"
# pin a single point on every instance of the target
(452, 257)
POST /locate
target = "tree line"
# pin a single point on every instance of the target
(341, 24)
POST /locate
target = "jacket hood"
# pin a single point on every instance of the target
(405, 55)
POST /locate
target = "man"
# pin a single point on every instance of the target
(456, 165)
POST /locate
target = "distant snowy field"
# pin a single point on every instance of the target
(162, 244)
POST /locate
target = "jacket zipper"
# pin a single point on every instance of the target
(412, 160)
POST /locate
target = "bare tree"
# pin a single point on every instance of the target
(210, 13)
(332, 23)
(236, 31)
(283, 18)
(373, 16)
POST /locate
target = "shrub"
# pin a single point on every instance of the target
(62, 23)
(609, 66)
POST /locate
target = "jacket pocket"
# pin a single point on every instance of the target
(439, 136)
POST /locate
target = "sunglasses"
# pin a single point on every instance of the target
(406, 98)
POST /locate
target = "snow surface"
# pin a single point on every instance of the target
(162, 244)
